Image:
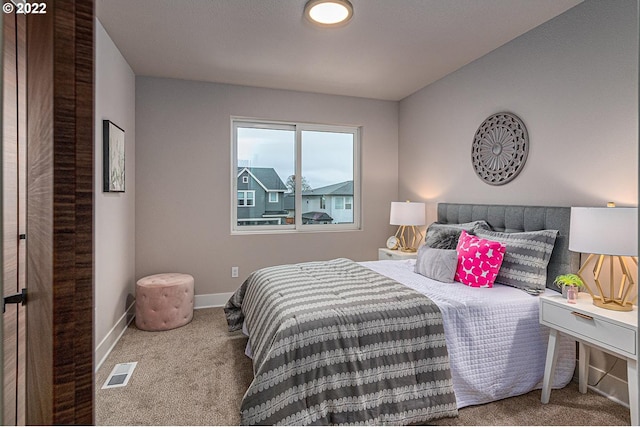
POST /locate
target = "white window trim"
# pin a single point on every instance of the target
(277, 198)
(253, 198)
(245, 179)
(238, 121)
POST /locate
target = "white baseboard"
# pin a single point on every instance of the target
(111, 339)
(216, 300)
(610, 386)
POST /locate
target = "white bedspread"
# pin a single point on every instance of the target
(497, 348)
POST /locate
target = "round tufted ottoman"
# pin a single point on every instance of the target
(164, 301)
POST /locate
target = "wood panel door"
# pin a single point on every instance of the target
(48, 121)
(60, 134)
(14, 213)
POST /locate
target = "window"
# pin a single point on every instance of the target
(246, 198)
(245, 179)
(343, 202)
(303, 176)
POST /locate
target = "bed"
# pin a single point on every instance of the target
(340, 342)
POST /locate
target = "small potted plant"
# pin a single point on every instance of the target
(572, 281)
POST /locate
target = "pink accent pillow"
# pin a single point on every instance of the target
(479, 260)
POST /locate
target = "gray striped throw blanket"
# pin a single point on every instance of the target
(336, 343)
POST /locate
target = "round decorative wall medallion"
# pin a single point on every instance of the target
(500, 148)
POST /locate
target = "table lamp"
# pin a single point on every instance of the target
(607, 235)
(408, 215)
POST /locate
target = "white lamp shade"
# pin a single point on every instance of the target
(407, 213)
(608, 231)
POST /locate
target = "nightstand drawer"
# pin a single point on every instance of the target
(386, 254)
(574, 322)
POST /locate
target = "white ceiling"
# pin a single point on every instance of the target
(390, 49)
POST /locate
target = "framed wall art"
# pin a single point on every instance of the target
(113, 157)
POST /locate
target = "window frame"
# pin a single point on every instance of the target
(348, 201)
(298, 127)
(253, 192)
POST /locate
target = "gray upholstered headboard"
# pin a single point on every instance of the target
(522, 218)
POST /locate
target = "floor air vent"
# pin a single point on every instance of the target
(120, 375)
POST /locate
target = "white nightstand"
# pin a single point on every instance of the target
(613, 332)
(387, 254)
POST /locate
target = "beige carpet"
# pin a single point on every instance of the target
(197, 374)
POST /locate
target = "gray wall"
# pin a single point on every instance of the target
(574, 83)
(114, 212)
(572, 80)
(183, 152)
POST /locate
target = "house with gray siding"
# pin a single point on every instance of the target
(260, 197)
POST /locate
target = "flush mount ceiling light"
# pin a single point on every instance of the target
(328, 13)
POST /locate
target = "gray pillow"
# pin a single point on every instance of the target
(526, 258)
(437, 264)
(444, 239)
(445, 236)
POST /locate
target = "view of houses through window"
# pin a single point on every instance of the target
(291, 176)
